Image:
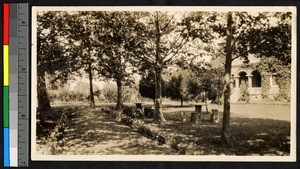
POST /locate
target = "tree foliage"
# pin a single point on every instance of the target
(243, 33)
(54, 51)
(177, 88)
(114, 45)
(282, 70)
(115, 62)
(159, 45)
(147, 86)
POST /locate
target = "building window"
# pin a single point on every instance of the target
(256, 79)
(274, 80)
(243, 77)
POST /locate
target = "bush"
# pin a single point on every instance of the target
(244, 94)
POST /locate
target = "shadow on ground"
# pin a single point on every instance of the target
(91, 131)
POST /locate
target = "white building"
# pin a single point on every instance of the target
(261, 84)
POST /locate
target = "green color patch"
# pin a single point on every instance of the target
(6, 106)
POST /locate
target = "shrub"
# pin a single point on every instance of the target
(244, 94)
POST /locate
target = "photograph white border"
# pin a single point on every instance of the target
(177, 158)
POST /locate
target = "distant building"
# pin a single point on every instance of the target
(256, 81)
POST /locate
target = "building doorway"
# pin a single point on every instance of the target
(243, 77)
(256, 79)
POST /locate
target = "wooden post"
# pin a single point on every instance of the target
(182, 116)
(214, 117)
(119, 115)
(198, 109)
(149, 112)
(139, 110)
(129, 111)
(152, 112)
(139, 106)
(194, 118)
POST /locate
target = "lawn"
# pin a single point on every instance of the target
(83, 130)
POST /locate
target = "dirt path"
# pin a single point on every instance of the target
(93, 132)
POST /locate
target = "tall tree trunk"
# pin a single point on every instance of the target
(158, 101)
(226, 134)
(43, 98)
(119, 94)
(92, 101)
(158, 116)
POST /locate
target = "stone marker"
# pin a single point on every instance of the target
(129, 111)
(198, 108)
(182, 116)
(138, 106)
(149, 112)
(118, 115)
(194, 117)
(214, 117)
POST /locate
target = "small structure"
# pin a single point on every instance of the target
(119, 115)
(138, 106)
(198, 108)
(214, 116)
(149, 112)
(139, 110)
(196, 116)
(129, 111)
(182, 116)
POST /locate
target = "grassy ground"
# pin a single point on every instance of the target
(250, 136)
(92, 131)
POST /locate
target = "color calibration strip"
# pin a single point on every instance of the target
(13, 85)
(6, 137)
(15, 90)
(22, 68)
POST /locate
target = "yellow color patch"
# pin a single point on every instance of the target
(6, 65)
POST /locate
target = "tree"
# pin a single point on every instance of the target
(254, 26)
(84, 31)
(147, 86)
(226, 133)
(177, 87)
(209, 77)
(244, 33)
(116, 63)
(55, 56)
(66, 45)
(159, 45)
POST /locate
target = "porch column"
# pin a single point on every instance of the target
(249, 81)
(237, 82)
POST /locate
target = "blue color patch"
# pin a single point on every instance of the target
(6, 147)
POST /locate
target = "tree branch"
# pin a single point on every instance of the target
(168, 23)
(222, 52)
(173, 44)
(175, 52)
(234, 41)
(235, 58)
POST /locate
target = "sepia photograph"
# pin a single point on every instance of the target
(163, 83)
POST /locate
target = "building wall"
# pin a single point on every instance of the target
(247, 75)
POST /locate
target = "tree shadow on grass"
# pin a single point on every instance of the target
(91, 132)
(250, 136)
